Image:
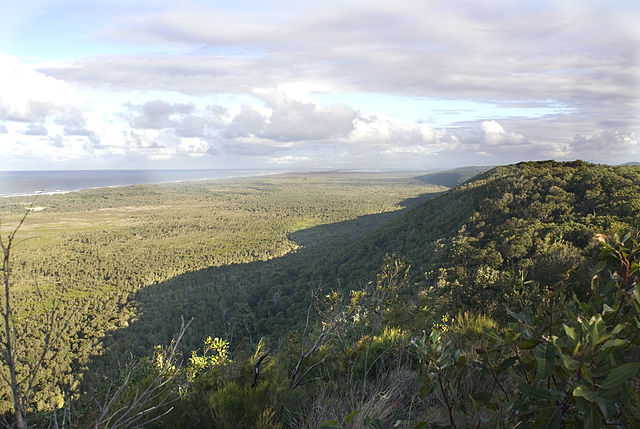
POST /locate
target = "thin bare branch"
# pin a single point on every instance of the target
(139, 409)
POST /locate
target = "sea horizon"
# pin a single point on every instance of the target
(17, 183)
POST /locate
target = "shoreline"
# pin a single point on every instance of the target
(256, 173)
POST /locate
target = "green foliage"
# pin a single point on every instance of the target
(385, 352)
(572, 366)
(127, 262)
(143, 393)
(241, 406)
(468, 331)
(227, 393)
(499, 323)
(215, 352)
(531, 221)
(446, 369)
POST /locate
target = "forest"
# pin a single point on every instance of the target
(94, 252)
(506, 299)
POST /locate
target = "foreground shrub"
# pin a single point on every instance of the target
(573, 363)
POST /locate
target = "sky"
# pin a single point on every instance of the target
(110, 84)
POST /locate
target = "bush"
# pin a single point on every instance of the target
(572, 363)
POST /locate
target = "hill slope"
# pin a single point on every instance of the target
(532, 220)
(516, 240)
(527, 222)
(452, 178)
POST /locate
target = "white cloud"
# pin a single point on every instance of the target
(393, 136)
(193, 146)
(27, 95)
(495, 135)
(36, 130)
(293, 120)
(158, 114)
(144, 108)
(607, 144)
(484, 50)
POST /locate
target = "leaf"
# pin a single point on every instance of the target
(521, 317)
(569, 363)
(599, 266)
(603, 338)
(330, 424)
(592, 418)
(483, 396)
(620, 375)
(586, 393)
(372, 423)
(619, 328)
(626, 237)
(606, 309)
(538, 392)
(506, 364)
(548, 418)
(614, 343)
(607, 407)
(351, 416)
(545, 360)
(528, 344)
(571, 333)
(595, 327)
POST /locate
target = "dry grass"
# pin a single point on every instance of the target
(393, 399)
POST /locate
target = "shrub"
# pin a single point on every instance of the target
(573, 363)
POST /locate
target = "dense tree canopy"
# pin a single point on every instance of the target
(494, 285)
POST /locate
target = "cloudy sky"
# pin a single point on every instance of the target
(308, 84)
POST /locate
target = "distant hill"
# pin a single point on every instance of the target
(631, 163)
(452, 178)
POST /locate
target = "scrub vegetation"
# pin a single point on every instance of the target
(511, 300)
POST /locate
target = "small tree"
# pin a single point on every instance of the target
(22, 369)
(9, 340)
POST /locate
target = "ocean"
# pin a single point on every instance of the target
(15, 183)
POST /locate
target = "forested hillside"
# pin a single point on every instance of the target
(510, 300)
(494, 311)
(526, 222)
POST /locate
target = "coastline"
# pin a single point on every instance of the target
(146, 177)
